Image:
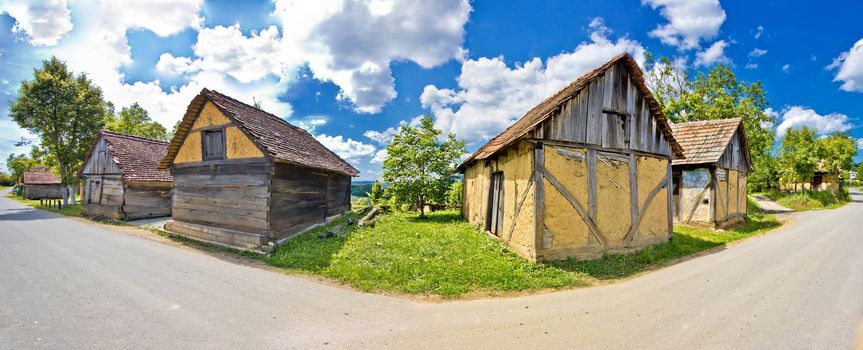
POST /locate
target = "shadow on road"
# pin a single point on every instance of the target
(24, 214)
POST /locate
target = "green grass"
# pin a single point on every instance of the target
(810, 200)
(440, 254)
(72, 210)
(686, 241)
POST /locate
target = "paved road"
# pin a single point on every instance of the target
(69, 284)
(768, 205)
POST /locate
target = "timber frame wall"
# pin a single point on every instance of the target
(598, 176)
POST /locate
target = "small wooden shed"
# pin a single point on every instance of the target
(710, 182)
(244, 177)
(122, 179)
(585, 172)
(41, 185)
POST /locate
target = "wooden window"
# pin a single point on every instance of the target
(213, 144)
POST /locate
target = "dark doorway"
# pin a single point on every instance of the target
(817, 180)
(494, 223)
(677, 181)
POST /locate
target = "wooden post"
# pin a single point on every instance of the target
(591, 190)
(633, 196)
(670, 189)
(539, 197)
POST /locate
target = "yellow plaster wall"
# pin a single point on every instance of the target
(654, 223)
(719, 213)
(742, 188)
(732, 193)
(238, 145)
(569, 167)
(612, 200)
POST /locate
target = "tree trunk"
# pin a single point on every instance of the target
(422, 206)
(71, 190)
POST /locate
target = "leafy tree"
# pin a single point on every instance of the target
(799, 156)
(686, 96)
(420, 167)
(6, 179)
(376, 193)
(66, 111)
(837, 151)
(454, 197)
(134, 120)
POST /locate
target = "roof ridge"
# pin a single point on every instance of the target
(127, 136)
(708, 121)
(272, 116)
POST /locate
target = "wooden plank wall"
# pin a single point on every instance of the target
(734, 156)
(230, 194)
(611, 113)
(302, 197)
(103, 195)
(147, 200)
(101, 161)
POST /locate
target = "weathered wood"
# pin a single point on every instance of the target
(370, 216)
(594, 112)
(594, 147)
(662, 184)
(633, 195)
(518, 210)
(539, 196)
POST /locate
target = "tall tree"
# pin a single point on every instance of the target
(420, 167)
(66, 111)
(135, 120)
(798, 156)
(837, 152)
(686, 96)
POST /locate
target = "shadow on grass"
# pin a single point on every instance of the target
(438, 218)
(309, 253)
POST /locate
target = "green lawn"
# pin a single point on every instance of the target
(810, 200)
(72, 210)
(444, 255)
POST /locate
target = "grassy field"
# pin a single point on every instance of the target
(444, 255)
(72, 210)
(810, 200)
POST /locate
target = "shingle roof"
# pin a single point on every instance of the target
(543, 110)
(137, 157)
(33, 178)
(276, 137)
(704, 141)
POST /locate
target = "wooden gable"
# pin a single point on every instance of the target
(237, 144)
(101, 161)
(611, 113)
(736, 155)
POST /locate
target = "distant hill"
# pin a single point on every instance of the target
(361, 188)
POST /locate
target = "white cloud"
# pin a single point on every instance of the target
(352, 43)
(246, 58)
(751, 65)
(759, 31)
(43, 22)
(849, 66)
(175, 65)
(689, 21)
(786, 68)
(756, 52)
(491, 95)
(381, 137)
(346, 148)
(380, 157)
(712, 55)
(797, 117)
(860, 143)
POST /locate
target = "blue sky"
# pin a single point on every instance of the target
(351, 72)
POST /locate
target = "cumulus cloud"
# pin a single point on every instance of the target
(860, 143)
(689, 21)
(380, 157)
(491, 94)
(43, 22)
(756, 52)
(346, 148)
(175, 65)
(352, 43)
(797, 117)
(712, 55)
(381, 137)
(246, 58)
(849, 68)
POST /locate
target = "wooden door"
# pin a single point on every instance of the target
(495, 204)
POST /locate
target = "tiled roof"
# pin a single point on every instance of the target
(32, 178)
(543, 111)
(704, 141)
(137, 157)
(276, 137)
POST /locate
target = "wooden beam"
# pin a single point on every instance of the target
(595, 147)
(633, 196)
(518, 210)
(591, 224)
(539, 196)
(591, 188)
(669, 189)
(647, 201)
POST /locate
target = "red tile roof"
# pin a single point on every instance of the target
(137, 157)
(33, 178)
(543, 110)
(704, 141)
(276, 137)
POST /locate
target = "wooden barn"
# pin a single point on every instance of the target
(710, 182)
(246, 178)
(122, 179)
(41, 185)
(585, 172)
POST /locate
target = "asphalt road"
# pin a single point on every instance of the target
(70, 284)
